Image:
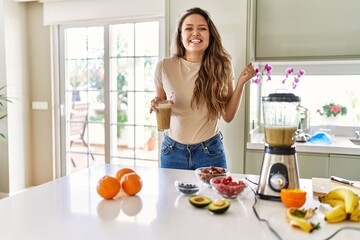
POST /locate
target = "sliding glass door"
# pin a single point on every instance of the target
(107, 80)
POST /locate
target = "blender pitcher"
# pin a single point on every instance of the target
(281, 119)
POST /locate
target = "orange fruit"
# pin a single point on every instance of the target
(293, 197)
(131, 183)
(120, 173)
(108, 187)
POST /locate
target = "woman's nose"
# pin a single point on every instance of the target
(195, 33)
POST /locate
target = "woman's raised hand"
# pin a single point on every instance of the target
(247, 73)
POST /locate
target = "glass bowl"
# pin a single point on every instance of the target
(204, 174)
(187, 187)
(229, 187)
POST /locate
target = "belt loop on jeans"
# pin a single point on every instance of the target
(221, 135)
(205, 149)
(172, 145)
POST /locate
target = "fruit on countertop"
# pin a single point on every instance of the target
(333, 202)
(187, 187)
(303, 213)
(345, 205)
(199, 201)
(335, 215)
(131, 183)
(355, 216)
(299, 218)
(121, 172)
(219, 206)
(227, 186)
(350, 199)
(204, 174)
(108, 187)
(125, 179)
(293, 197)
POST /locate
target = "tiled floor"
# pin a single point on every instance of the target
(126, 156)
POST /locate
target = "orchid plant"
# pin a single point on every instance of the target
(267, 72)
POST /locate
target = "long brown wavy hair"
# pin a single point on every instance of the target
(211, 85)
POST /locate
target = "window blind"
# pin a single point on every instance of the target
(307, 29)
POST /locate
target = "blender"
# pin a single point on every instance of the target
(279, 166)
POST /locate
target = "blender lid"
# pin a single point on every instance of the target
(281, 97)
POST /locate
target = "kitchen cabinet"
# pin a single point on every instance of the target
(253, 161)
(310, 164)
(346, 166)
(320, 165)
(313, 165)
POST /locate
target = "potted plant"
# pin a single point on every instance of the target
(332, 110)
(331, 113)
(151, 142)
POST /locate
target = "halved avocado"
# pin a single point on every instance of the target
(199, 201)
(219, 206)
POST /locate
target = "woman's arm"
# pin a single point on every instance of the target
(233, 104)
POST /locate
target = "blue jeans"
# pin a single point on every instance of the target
(204, 154)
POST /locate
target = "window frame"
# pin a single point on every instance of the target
(328, 66)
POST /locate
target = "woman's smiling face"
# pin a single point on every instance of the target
(195, 34)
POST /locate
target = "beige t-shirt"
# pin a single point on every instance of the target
(188, 126)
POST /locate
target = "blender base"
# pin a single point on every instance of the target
(279, 170)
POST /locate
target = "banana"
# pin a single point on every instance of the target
(309, 212)
(336, 214)
(333, 202)
(303, 224)
(351, 200)
(355, 216)
(296, 218)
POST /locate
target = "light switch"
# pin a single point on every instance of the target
(40, 105)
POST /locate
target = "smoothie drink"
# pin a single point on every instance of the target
(163, 115)
(280, 136)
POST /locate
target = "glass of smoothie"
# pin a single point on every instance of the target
(163, 115)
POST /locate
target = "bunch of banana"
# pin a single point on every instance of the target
(344, 203)
(298, 218)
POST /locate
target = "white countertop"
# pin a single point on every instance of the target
(341, 145)
(70, 208)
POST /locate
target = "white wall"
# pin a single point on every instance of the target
(16, 152)
(41, 90)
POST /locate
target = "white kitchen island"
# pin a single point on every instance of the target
(70, 208)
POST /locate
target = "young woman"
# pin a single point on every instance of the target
(199, 77)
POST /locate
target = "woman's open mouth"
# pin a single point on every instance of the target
(195, 41)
